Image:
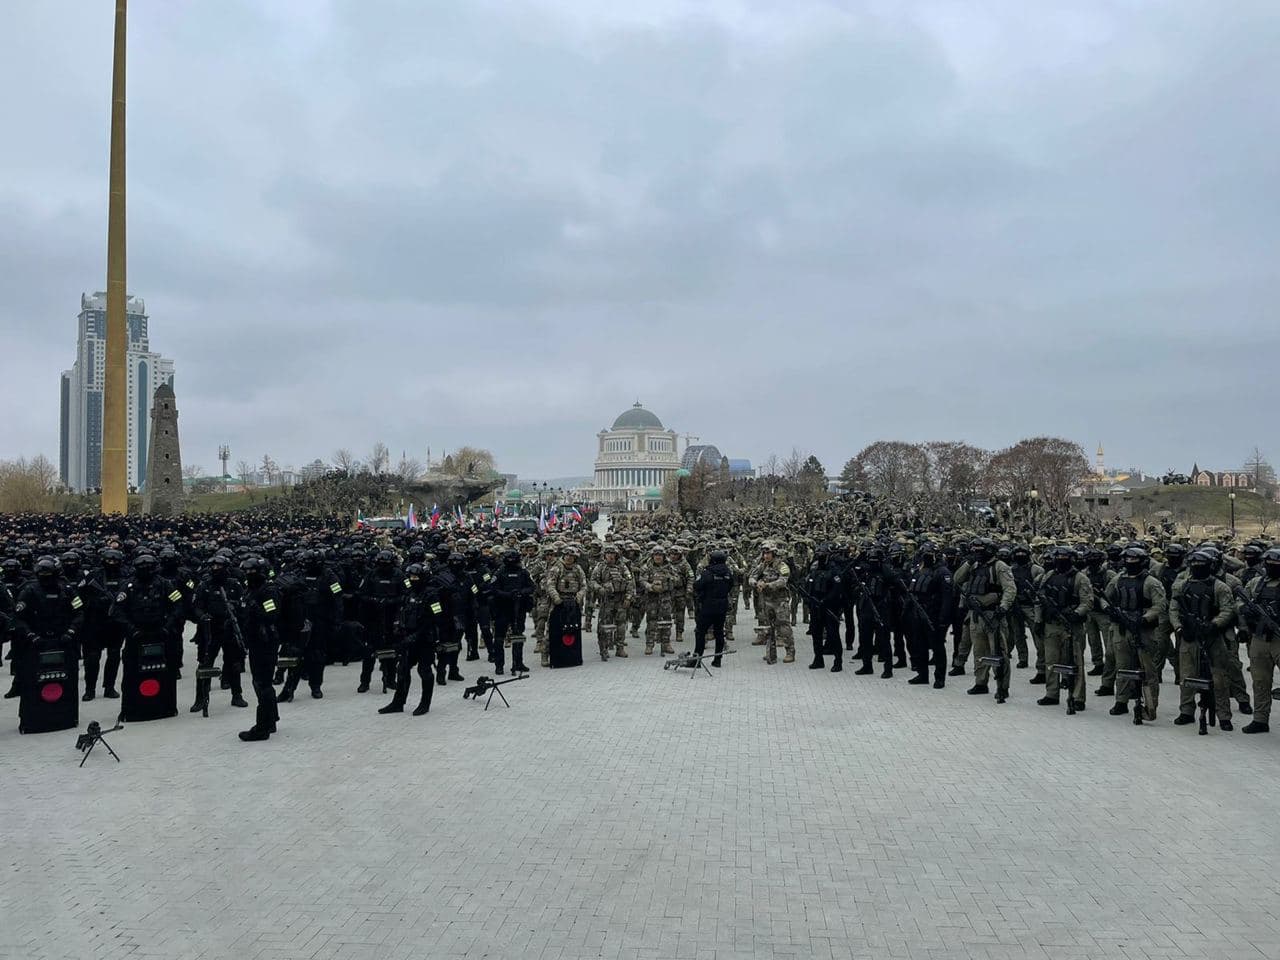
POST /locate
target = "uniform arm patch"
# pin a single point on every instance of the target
(269, 606)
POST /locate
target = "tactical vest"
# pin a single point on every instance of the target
(1130, 596)
(1025, 581)
(1198, 599)
(980, 580)
(1059, 589)
(1268, 597)
(1168, 574)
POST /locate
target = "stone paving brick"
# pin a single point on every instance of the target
(622, 811)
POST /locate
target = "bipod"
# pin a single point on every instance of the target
(491, 685)
(92, 736)
(693, 661)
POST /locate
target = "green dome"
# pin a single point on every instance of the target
(653, 493)
(637, 418)
(514, 494)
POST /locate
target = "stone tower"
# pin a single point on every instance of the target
(163, 494)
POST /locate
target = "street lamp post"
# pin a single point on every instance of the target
(1232, 497)
(1035, 506)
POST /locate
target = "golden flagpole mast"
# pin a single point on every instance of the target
(115, 490)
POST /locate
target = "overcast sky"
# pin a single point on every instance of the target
(776, 223)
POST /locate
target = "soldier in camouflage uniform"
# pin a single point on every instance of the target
(635, 563)
(541, 605)
(682, 599)
(565, 580)
(1140, 606)
(770, 579)
(989, 593)
(658, 582)
(614, 590)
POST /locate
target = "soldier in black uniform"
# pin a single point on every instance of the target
(421, 613)
(102, 634)
(317, 601)
(476, 619)
(873, 614)
(148, 609)
(380, 595)
(257, 613)
(711, 602)
(181, 576)
(215, 602)
(512, 595)
(826, 594)
(928, 608)
(47, 613)
(449, 581)
(12, 577)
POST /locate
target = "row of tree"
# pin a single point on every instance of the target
(957, 473)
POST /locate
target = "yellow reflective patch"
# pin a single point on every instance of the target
(175, 596)
(269, 606)
(407, 584)
(437, 609)
(191, 585)
(335, 588)
(76, 603)
(474, 588)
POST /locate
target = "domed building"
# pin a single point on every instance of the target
(634, 458)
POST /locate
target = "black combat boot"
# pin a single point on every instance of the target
(255, 733)
(1256, 726)
(919, 678)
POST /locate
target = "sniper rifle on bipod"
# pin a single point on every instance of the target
(489, 685)
(694, 660)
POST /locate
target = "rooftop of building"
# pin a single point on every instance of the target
(637, 418)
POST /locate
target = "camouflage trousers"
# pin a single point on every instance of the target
(657, 620)
(1021, 622)
(611, 624)
(1065, 645)
(541, 614)
(990, 640)
(1264, 657)
(773, 612)
(1150, 657)
(1104, 629)
(1189, 655)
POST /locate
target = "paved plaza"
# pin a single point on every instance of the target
(619, 810)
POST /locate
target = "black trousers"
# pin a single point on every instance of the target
(92, 650)
(415, 654)
(824, 625)
(704, 622)
(262, 670)
(923, 644)
(874, 637)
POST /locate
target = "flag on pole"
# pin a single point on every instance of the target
(542, 520)
(435, 515)
(411, 521)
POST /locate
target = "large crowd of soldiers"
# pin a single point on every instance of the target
(289, 600)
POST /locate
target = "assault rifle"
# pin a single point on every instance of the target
(1200, 636)
(1130, 624)
(1256, 611)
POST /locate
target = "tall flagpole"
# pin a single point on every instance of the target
(115, 491)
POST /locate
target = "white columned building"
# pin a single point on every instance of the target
(634, 458)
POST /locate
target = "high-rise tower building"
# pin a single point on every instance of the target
(80, 442)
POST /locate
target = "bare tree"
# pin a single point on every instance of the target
(269, 469)
(793, 465)
(379, 458)
(772, 466)
(893, 468)
(408, 468)
(1264, 475)
(27, 485)
(1050, 465)
(344, 460)
(192, 471)
(244, 469)
(468, 462)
